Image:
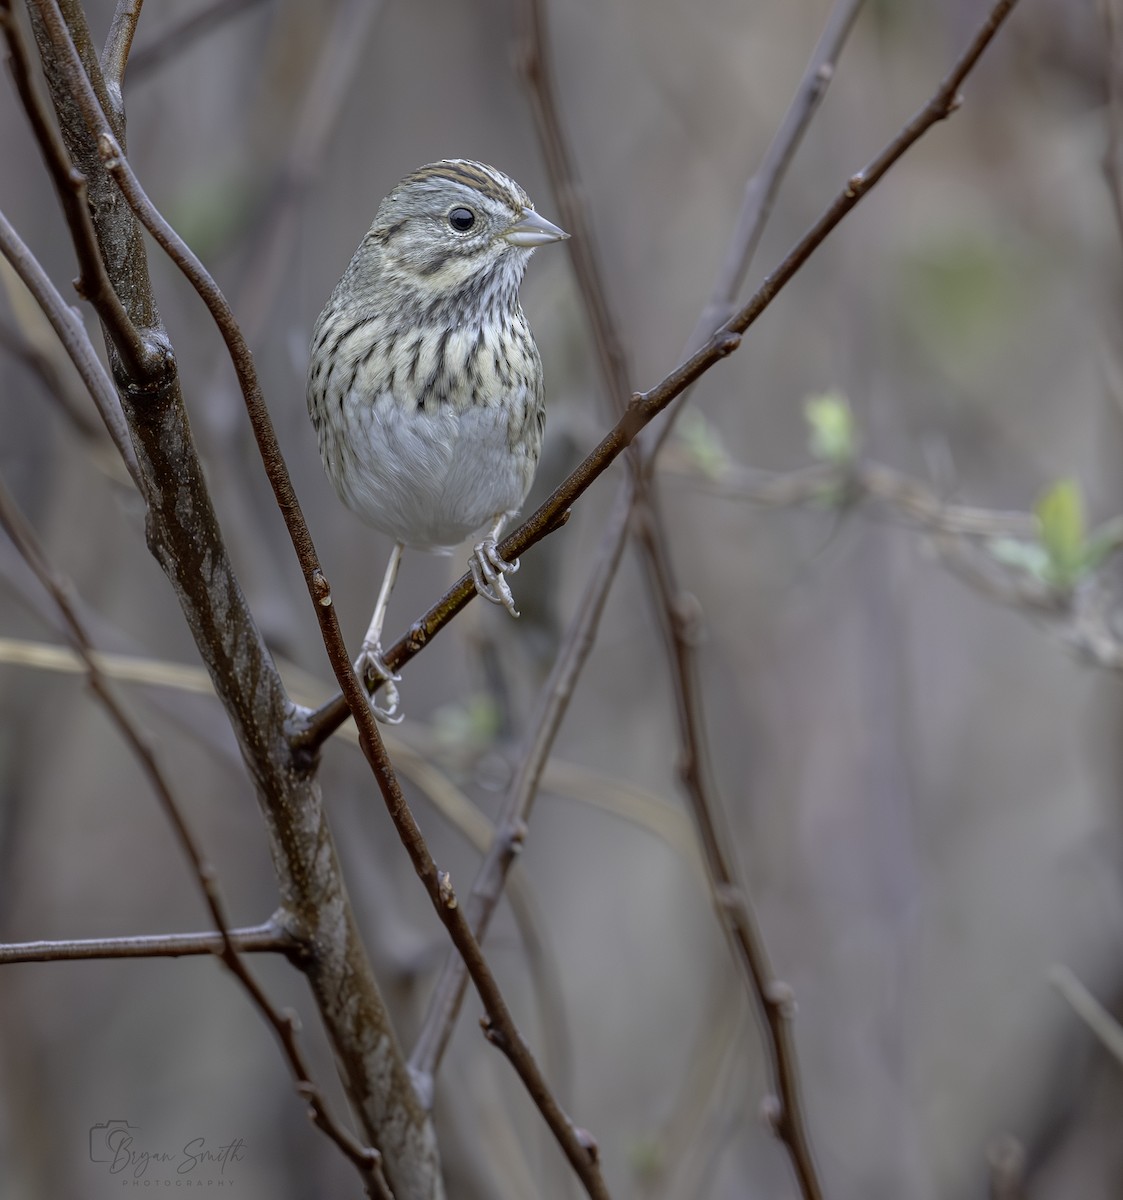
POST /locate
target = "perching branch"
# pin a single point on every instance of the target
(644, 406)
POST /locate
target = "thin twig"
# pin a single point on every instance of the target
(1101, 1022)
(676, 609)
(43, 363)
(1113, 154)
(141, 358)
(339, 56)
(776, 1001)
(181, 36)
(269, 938)
(512, 822)
(75, 341)
(1082, 615)
(764, 183)
(906, 499)
(534, 64)
(115, 56)
(499, 1026)
(366, 1159)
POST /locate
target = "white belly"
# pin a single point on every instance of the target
(429, 479)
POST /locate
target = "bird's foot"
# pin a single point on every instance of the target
(488, 571)
(376, 676)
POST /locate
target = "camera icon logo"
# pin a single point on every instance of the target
(106, 1139)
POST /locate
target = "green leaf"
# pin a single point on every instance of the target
(1060, 518)
(831, 434)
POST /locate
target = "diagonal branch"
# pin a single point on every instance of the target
(182, 35)
(140, 356)
(75, 341)
(644, 406)
(764, 183)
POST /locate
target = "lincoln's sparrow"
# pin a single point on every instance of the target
(425, 385)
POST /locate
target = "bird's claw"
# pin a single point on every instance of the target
(488, 571)
(371, 667)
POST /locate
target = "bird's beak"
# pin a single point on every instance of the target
(531, 230)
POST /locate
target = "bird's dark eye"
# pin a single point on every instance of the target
(462, 219)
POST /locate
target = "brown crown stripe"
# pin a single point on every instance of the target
(475, 175)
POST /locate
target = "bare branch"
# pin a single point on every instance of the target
(677, 609)
(140, 357)
(680, 620)
(907, 499)
(764, 183)
(533, 62)
(1113, 154)
(367, 1160)
(499, 1025)
(72, 334)
(512, 822)
(269, 938)
(115, 56)
(1106, 1027)
(761, 189)
(1084, 616)
(339, 56)
(180, 37)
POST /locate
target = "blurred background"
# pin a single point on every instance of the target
(924, 787)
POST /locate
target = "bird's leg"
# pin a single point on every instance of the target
(370, 660)
(488, 569)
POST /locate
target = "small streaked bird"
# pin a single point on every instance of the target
(424, 382)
